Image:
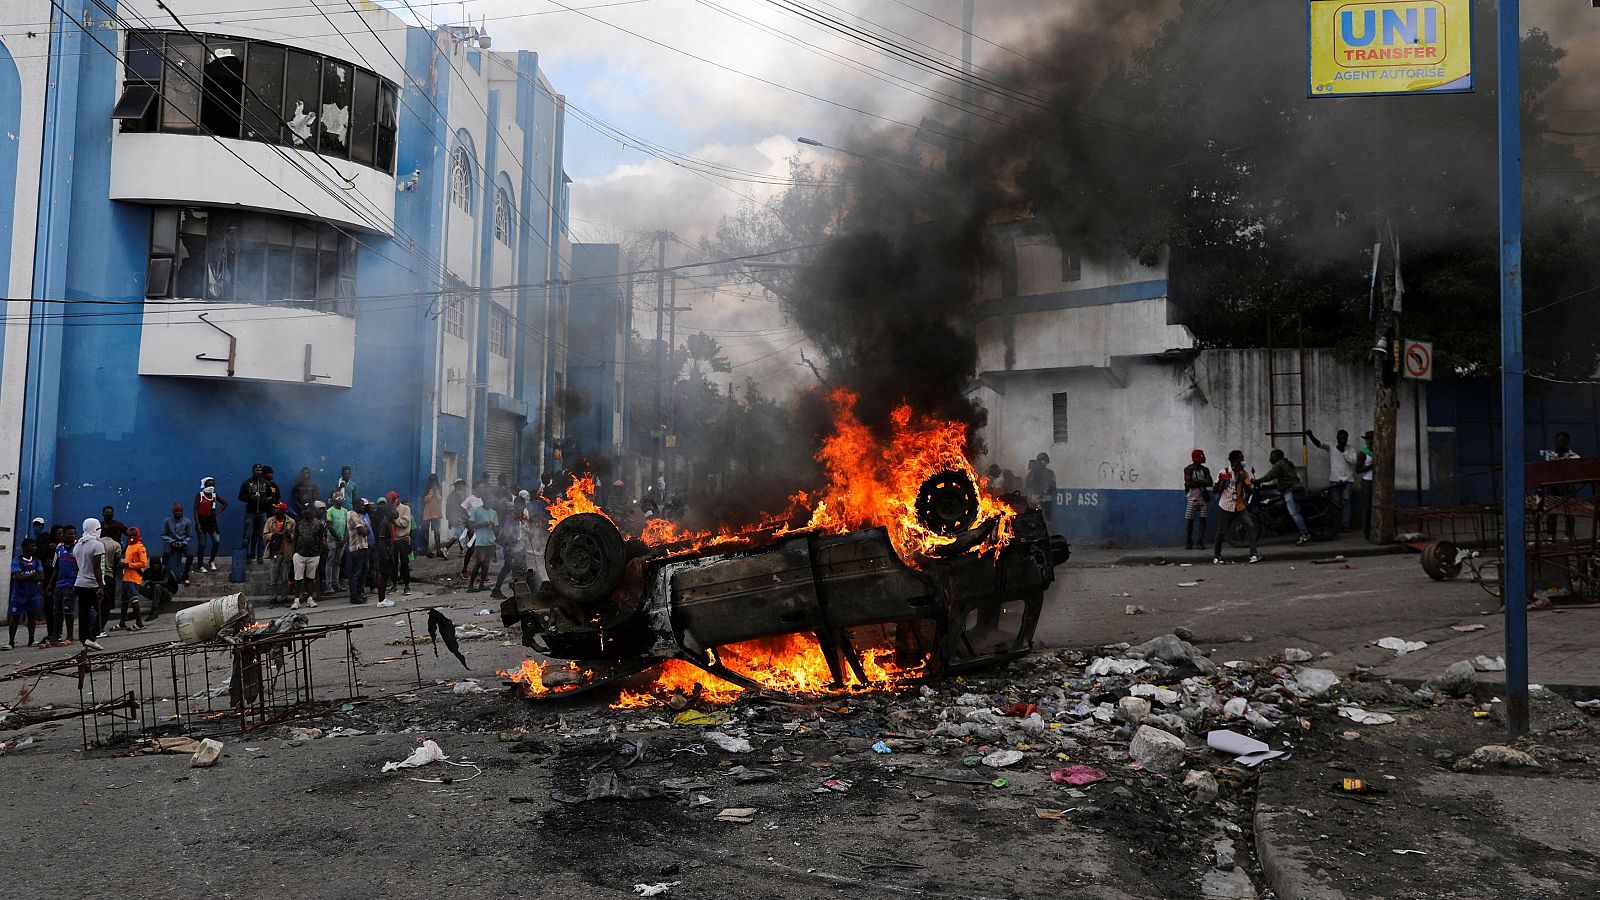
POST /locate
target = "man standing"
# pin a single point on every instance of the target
(88, 585)
(310, 535)
(1233, 499)
(59, 612)
(304, 494)
(455, 516)
(110, 578)
(400, 529)
(432, 518)
(1197, 484)
(134, 563)
(1364, 469)
(177, 536)
(1041, 487)
(1559, 494)
(484, 522)
(358, 548)
(382, 562)
(109, 526)
(207, 506)
(347, 483)
(1283, 478)
(278, 535)
(27, 601)
(1341, 472)
(256, 495)
(333, 560)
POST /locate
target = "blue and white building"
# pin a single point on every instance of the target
(296, 236)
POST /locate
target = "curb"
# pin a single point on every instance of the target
(1285, 868)
(1269, 554)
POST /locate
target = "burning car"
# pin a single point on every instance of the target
(905, 573)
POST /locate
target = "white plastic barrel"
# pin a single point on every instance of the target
(200, 623)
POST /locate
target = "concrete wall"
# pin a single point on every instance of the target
(1119, 473)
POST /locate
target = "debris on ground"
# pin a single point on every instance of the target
(429, 752)
(1400, 646)
(206, 755)
(1364, 717)
(1497, 755)
(1483, 663)
(1459, 679)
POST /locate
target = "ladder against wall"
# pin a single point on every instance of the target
(1286, 390)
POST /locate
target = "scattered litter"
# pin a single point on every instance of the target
(1202, 784)
(1105, 665)
(429, 752)
(1327, 561)
(745, 775)
(1587, 704)
(1400, 646)
(654, 890)
(468, 687)
(739, 815)
(1156, 750)
(729, 743)
(881, 747)
(1315, 682)
(1459, 679)
(1296, 655)
(1131, 610)
(207, 754)
(1000, 759)
(1485, 664)
(1473, 627)
(1406, 852)
(14, 745)
(835, 785)
(1497, 755)
(607, 786)
(1363, 717)
(483, 612)
(698, 717)
(1188, 584)
(1077, 775)
(999, 783)
(1246, 750)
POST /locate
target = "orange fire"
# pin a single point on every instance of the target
(579, 499)
(530, 677)
(875, 483)
(675, 676)
(795, 664)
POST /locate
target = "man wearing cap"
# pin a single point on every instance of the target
(177, 536)
(310, 536)
(278, 536)
(41, 534)
(358, 529)
(1197, 484)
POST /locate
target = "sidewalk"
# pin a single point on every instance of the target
(1349, 546)
(1562, 650)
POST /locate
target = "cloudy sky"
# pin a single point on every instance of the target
(734, 82)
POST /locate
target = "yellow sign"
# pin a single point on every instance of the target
(1390, 47)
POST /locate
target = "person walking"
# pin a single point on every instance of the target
(400, 527)
(1341, 472)
(485, 522)
(256, 495)
(88, 585)
(1197, 483)
(336, 519)
(1233, 502)
(433, 538)
(310, 538)
(513, 539)
(63, 599)
(305, 494)
(358, 548)
(1283, 478)
(278, 536)
(208, 504)
(177, 536)
(455, 516)
(134, 563)
(26, 604)
(1041, 487)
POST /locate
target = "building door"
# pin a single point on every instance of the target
(500, 446)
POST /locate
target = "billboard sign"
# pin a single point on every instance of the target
(1386, 47)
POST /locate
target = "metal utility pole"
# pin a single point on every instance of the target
(656, 433)
(1514, 571)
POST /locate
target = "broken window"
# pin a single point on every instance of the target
(245, 257)
(1058, 418)
(334, 134)
(136, 109)
(302, 96)
(364, 118)
(222, 103)
(461, 180)
(499, 330)
(388, 124)
(182, 79)
(263, 101)
(502, 217)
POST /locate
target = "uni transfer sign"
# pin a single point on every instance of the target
(1390, 47)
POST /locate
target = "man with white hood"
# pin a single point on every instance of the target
(89, 584)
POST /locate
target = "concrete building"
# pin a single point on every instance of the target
(1089, 361)
(598, 330)
(299, 237)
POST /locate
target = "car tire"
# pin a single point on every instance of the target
(585, 557)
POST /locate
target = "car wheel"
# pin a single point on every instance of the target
(585, 557)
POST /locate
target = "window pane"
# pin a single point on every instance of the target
(337, 82)
(305, 274)
(387, 123)
(164, 231)
(249, 267)
(280, 271)
(181, 110)
(302, 96)
(364, 118)
(327, 273)
(222, 104)
(144, 56)
(191, 266)
(263, 102)
(158, 279)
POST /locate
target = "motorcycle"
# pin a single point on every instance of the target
(1269, 515)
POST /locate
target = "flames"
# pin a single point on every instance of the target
(530, 677)
(678, 677)
(578, 499)
(795, 664)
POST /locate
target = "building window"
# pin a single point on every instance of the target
(502, 217)
(1071, 266)
(461, 180)
(227, 87)
(241, 257)
(1058, 418)
(499, 330)
(455, 315)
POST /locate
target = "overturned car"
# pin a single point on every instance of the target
(800, 612)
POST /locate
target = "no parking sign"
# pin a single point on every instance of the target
(1418, 360)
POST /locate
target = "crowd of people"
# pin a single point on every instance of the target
(71, 580)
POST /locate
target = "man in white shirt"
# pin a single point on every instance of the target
(1341, 471)
(1563, 450)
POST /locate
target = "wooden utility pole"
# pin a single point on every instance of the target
(657, 433)
(1386, 405)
